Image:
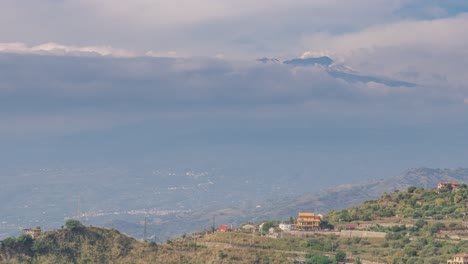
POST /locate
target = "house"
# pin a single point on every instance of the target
(461, 258)
(33, 232)
(287, 227)
(308, 221)
(274, 232)
(249, 226)
(225, 228)
(452, 185)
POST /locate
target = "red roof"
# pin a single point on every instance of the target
(224, 227)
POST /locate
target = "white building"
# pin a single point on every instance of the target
(287, 227)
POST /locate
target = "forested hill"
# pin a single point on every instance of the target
(76, 244)
(411, 203)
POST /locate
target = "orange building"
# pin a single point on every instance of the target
(308, 221)
(461, 258)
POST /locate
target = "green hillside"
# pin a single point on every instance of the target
(414, 203)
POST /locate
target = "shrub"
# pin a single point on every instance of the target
(340, 256)
(74, 225)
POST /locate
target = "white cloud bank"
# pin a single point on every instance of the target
(429, 52)
(56, 49)
(448, 34)
(52, 48)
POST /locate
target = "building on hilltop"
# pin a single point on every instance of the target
(452, 185)
(308, 221)
(33, 232)
(461, 258)
(225, 228)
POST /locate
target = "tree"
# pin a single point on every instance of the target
(340, 256)
(9, 242)
(266, 226)
(411, 189)
(317, 259)
(221, 255)
(74, 225)
(292, 220)
(420, 223)
(25, 240)
(436, 227)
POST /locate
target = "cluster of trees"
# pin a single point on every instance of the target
(412, 203)
(22, 244)
(72, 244)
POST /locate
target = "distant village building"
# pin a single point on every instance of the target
(33, 232)
(225, 228)
(308, 221)
(287, 227)
(452, 185)
(274, 229)
(461, 258)
(249, 227)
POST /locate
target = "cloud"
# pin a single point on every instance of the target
(203, 28)
(429, 52)
(429, 34)
(59, 49)
(41, 94)
(163, 12)
(162, 54)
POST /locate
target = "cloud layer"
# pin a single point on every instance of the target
(206, 27)
(163, 59)
(69, 94)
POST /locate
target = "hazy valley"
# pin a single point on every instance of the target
(175, 202)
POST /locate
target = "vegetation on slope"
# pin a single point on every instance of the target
(413, 203)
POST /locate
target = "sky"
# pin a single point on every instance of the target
(177, 83)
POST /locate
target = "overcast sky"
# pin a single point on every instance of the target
(90, 80)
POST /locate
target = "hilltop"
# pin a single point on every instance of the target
(416, 203)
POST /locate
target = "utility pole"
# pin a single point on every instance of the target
(213, 227)
(78, 208)
(145, 230)
(230, 238)
(253, 236)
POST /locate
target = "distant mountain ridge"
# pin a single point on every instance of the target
(339, 71)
